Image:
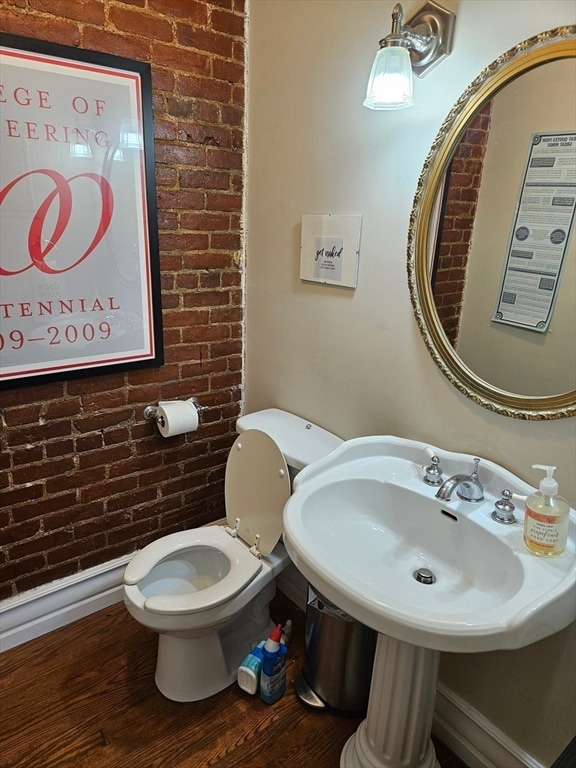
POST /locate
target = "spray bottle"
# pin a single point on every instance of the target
(250, 669)
(273, 673)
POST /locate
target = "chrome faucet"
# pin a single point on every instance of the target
(467, 487)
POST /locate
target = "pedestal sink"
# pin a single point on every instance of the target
(429, 576)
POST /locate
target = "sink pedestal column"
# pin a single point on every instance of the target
(396, 731)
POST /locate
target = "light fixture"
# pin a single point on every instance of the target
(417, 46)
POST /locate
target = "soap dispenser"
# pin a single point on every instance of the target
(546, 518)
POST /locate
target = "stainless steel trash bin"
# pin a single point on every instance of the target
(339, 656)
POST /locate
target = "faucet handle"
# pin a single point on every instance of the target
(504, 509)
(433, 471)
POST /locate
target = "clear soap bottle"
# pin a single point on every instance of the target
(546, 518)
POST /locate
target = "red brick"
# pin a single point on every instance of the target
(181, 59)
(27, 455)
(184, 241)
(126, 502)
(75, 549)
(186, 200)
(139, 23)
(231, 71)
(37, 472)
(204, 40)
(19, 532)
(219, 201)
(93, 422)
(61, 518)
(226, 241)
(205, 88)
(230, 23)
(204, 179)
(15, 496)
(13, 569)
(94, 476)
(103, 480)
(190, 10)
(233, 115)
(117, 44)
(95, 401)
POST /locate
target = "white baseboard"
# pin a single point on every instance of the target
(462, 728)
(474, 738)
(61, 602)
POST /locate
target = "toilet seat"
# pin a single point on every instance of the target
(257, 487)
(243, 568)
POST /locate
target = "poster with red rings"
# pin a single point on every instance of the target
(79, 277)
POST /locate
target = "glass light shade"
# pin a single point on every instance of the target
(130, 136)
(390, 82)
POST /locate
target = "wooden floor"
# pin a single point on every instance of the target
(84, 697)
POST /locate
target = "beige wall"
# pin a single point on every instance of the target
(354, 360)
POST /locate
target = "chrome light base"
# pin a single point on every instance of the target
(434, 26)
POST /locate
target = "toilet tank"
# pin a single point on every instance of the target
(300, 441)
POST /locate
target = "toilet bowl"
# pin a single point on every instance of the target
(206, 591)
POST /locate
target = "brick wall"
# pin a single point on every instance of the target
(84, 478)
(455, 239)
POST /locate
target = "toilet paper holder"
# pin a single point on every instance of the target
(151, 411)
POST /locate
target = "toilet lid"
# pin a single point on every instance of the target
(257, 488)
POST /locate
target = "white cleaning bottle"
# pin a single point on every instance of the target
(546, 518)
(249, 671)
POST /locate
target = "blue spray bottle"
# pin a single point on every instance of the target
(273, 673)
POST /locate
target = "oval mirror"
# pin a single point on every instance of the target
(491, 260)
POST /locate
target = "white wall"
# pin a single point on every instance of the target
(354, 361)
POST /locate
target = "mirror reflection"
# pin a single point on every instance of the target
(476, 230)
(491, 251)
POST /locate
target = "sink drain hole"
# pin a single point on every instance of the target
(424, 576)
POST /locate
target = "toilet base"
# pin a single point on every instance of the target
(191, 666)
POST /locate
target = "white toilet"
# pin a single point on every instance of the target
(206, 591)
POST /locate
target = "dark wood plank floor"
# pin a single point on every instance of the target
(84, 697)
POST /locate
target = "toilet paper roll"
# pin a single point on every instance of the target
(174, 417)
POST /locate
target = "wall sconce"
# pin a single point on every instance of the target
(419, 45)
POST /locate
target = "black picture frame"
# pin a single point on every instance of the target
(79, 251)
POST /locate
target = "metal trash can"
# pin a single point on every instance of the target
(339, 656)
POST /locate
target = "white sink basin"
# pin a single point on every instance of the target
(361, 522)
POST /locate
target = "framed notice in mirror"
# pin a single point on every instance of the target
(79, 273)
(541, 233)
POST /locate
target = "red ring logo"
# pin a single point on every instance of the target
(63, 193)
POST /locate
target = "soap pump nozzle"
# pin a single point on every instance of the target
(548, 485)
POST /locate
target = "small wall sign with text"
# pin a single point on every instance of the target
(329, 250)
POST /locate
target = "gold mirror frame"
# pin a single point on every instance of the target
(548, 46)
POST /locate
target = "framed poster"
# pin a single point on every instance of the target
(79, 267)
